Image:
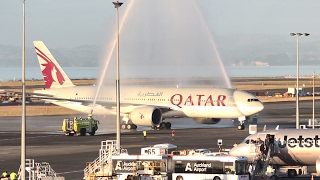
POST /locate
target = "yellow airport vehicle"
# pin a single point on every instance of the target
(80, 126)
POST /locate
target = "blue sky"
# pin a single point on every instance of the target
(72, 23)
(179, 34)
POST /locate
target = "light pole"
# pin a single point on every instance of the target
(23, 117)
(297, 85)
(313, 77)
(117, 5)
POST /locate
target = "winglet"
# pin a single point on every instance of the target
(53, 74)
(277, 128)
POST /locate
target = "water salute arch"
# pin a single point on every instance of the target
(168, 40)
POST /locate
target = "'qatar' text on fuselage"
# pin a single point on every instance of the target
(178, 100)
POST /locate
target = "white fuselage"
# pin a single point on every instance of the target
(180, 102)
(292, 147)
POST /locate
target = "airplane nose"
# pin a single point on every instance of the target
(234, 151)
(260, 107)
(242, 150)
(257, 108)
(247, 103)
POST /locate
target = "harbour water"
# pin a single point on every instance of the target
(14, 74)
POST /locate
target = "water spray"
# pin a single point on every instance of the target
(113, 43)
(226, 77)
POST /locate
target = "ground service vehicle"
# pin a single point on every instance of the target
(217, 167)
(155, 164)
(80, 126)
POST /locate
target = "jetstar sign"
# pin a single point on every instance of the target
(197, 100)
(301, 142)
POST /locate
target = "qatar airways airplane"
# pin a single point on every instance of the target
(144, 106)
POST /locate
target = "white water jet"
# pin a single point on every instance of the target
(108, 58)
(223, 70)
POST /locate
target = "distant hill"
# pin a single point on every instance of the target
(234, 49)
(82, 56)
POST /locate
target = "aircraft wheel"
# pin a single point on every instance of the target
(168, 125)
(163, 125)
(129, 127)
(123, 127)
(241, 127)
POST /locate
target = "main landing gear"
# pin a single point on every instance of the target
(163, 125)
(128, 126)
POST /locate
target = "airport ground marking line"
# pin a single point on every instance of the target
(68, 172)
(27, 137)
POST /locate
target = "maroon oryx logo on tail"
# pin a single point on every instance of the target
(49, 69)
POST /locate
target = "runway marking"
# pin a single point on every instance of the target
(28, 137)
(68, 172)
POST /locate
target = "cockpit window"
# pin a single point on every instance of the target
(245, 141)
(253, 100)
(248, 141)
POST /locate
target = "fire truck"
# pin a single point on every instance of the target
(80, 126)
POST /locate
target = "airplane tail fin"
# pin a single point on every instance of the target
(53, 74)
(264, 128)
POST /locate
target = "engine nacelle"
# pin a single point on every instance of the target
(207, 120)
(146, 116)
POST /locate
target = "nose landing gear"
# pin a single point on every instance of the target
(241, 126)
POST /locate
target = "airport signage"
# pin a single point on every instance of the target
(202, 167)
(125, 166)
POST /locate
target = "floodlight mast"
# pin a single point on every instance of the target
(117, 5)
(23, 116)
(297, 84)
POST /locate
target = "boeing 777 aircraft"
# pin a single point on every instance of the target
(144, 106)
(291, 147)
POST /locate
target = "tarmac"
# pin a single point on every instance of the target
(45, 142)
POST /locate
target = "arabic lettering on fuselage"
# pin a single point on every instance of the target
(144, 94)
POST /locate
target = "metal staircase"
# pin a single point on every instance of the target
(261, 163)
(37, 170)
(101, 168)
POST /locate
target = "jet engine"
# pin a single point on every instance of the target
(146, 116)
(207, 120)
